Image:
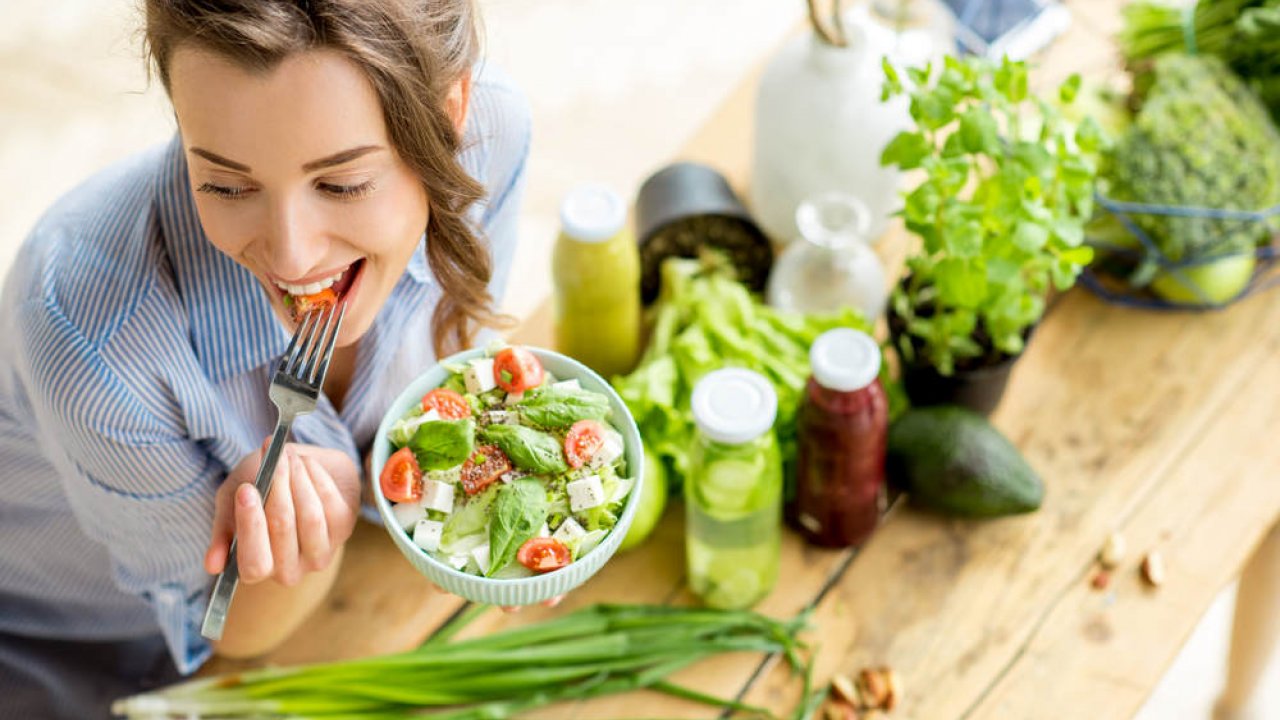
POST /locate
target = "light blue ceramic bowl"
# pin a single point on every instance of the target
(517, 591)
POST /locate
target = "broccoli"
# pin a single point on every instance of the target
(1200, 139)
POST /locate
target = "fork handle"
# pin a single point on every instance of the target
(215, 617)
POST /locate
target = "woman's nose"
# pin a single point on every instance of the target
(295, 242)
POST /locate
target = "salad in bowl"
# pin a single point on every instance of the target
(507, 475)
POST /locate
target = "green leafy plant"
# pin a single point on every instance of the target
(1007, 185)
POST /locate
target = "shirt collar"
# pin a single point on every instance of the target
(233, 329)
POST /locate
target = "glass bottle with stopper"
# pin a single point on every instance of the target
(833, 266)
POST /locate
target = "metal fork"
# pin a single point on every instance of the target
(295, 387)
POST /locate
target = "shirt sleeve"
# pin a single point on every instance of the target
(500, 125)
(134, 481)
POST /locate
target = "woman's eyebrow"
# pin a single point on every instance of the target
(219, 160)
(337, 158)
(340, 157)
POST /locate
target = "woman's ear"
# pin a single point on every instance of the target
(458, 101)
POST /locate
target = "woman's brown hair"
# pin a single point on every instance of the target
(413, 52)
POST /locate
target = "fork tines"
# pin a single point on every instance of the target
(307, 357)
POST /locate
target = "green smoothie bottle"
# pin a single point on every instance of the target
(596, 270)
(733, 492)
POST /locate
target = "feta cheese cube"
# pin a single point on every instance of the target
(479, 376)
(569, 531)
(457, 562)
(501, 417)
(568, 385)
(429, 416)
(586, 493)
(408, 514)
(438, 496)
(512, 398)
(426, 534)
(481, 556)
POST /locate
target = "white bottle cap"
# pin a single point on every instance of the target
(592, 213)
(734, 405)
(844, 359)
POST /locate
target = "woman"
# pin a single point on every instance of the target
(350, 144)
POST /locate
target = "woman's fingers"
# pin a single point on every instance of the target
(282, 522)
(338, 513)
(253, 544)
(313, 529)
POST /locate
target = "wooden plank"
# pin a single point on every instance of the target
(1103, 405)
(1100, 654)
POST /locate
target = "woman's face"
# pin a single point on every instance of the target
(295, 178)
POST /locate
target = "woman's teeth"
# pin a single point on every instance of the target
(310, 288)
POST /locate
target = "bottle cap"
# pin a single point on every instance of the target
(844, 359)
(592, 213)
(734, 405)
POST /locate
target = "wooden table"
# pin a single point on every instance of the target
(1159, 426)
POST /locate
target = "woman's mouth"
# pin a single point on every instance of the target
(301, 299)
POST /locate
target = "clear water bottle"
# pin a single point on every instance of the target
(833, 266)
(733, 492)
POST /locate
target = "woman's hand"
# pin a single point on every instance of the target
(311, 511)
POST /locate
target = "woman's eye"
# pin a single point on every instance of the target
(346, 192)
(224, 191)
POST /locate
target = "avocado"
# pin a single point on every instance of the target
(951, 460)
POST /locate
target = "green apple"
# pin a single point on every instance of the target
(653, 500)
(1220, 281)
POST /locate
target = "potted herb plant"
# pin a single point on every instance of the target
(1005, 187)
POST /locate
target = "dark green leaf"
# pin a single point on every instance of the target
(529, 450)
(518, 514)
(442, 444)
(554, 407)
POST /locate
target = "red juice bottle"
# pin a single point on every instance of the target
(842, 424)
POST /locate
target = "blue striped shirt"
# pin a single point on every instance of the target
(133, 377)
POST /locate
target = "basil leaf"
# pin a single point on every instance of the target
(560, 407)
(442, 444)
(530, 450)
(518, 513)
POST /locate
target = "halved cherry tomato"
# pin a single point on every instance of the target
(401, 478)
(543, 554)
(449, 404)
(584, 440)
(515, 369)
(303, 304)
(485, 465)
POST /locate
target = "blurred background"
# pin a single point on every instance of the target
(616, 89)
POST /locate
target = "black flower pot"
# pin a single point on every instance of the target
(978, 388)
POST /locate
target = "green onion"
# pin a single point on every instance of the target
(596, 651)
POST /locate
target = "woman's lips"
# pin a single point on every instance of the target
(341, 291)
